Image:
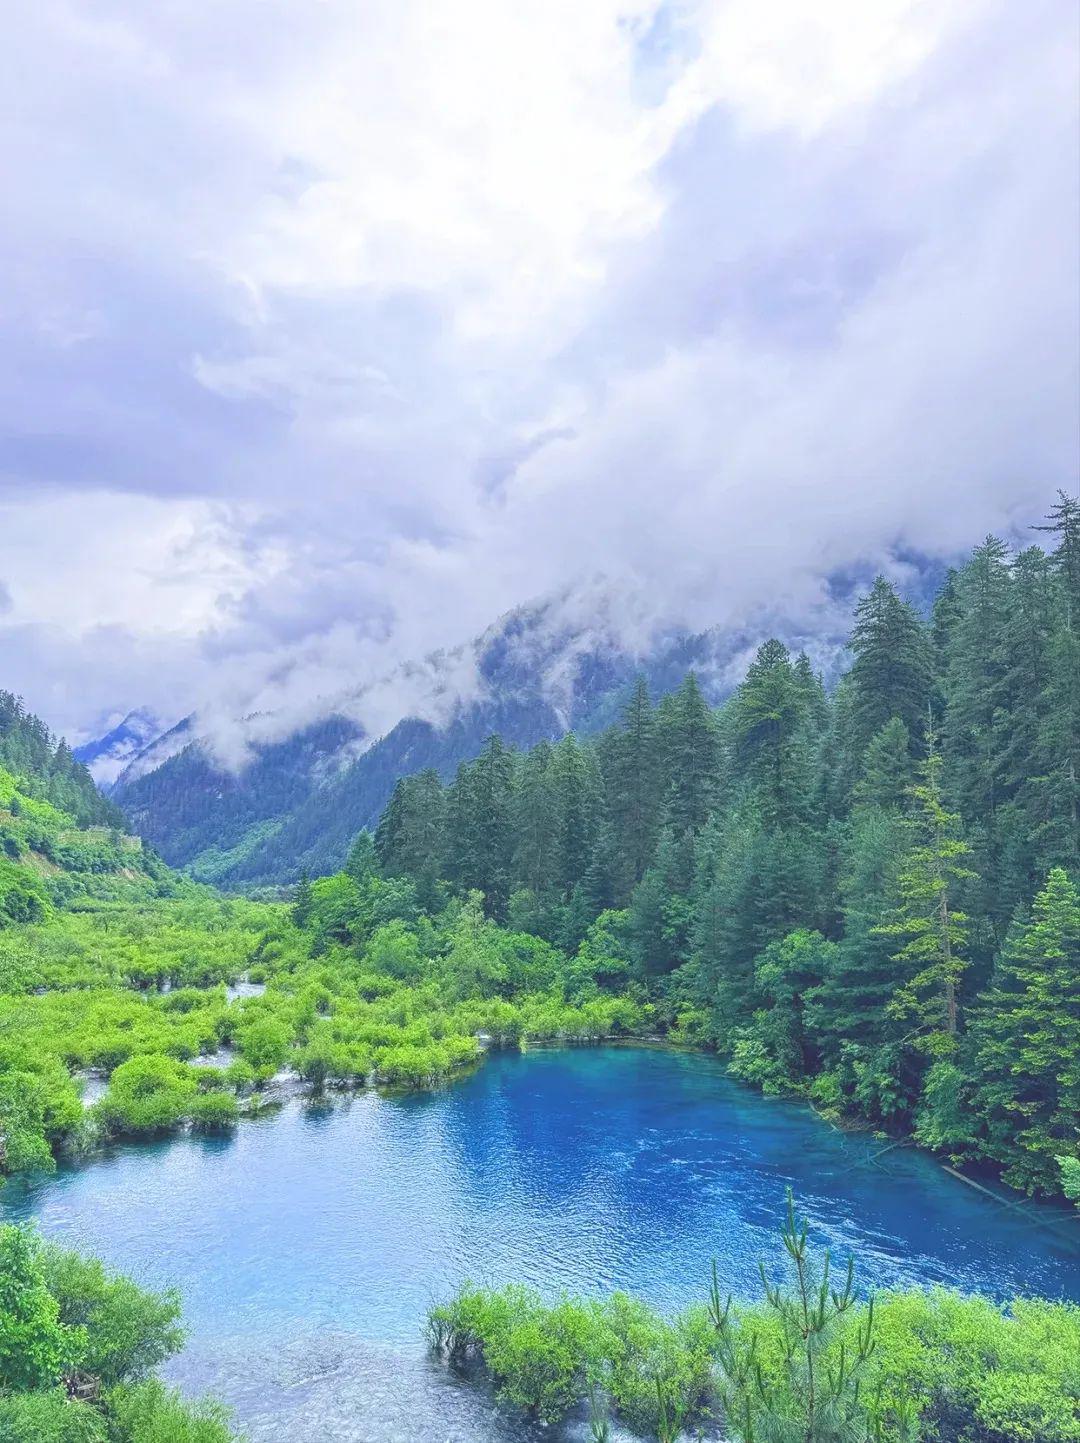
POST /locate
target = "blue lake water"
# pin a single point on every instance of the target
(308, 1246)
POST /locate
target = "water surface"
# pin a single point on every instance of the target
(309, 1245)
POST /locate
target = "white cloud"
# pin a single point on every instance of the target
(156, 568)
(334, 331)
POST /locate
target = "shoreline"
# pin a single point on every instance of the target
(287, 1086)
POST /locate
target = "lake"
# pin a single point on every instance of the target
(308, 1245)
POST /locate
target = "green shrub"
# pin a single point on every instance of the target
(127, 1331)
(213, 1111)
(146, 1095)
(34, 1345)
(50, 1417)
(152, 1413)
(930, 1365)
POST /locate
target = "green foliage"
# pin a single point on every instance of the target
(928, 917)
(545, 1357)
(148, 1094)
(891, 675)
(23, 895)
(50, 1416)
(78, 1349)
(774, 1050)
(34, 1345)
(49, 771)
(126, 1331)
(152, 1413)
(802, 1374)
(1070, 1178)
(1027, 1043)
(811, 1363)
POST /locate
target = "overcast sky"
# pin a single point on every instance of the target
(332, 330)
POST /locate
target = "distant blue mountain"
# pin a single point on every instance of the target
(112, 753)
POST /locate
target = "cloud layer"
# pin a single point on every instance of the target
(331, 332)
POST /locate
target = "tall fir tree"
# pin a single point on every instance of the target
(479, 826)
(632, 770)
(1056, 790)
(1026, 1037)
(928, 917)
(535, 859)
(692, 759)
(891, 673)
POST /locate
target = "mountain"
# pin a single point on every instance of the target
(61, 842)
(304, 793)
(46, 770)
(112, 753)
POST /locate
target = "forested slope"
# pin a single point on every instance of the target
(539, 672)
(869, 896)
(47, 768)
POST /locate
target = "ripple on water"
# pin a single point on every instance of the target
(309, 1245)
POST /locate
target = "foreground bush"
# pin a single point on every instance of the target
(811, 1363)
(78, 1346)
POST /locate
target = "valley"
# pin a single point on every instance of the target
(317, 1115)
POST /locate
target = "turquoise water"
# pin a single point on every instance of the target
(309, 1245)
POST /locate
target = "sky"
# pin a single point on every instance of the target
(331, 331)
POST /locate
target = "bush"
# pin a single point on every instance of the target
(23, 895)
(941, 1366)
(128, 1331)
(34, 1347)
(49, 1417)
(152, 1413)
(980, 1371)
(147, 1095)
(64, 1317)
(213, 1111)
(264, 1045)
(645, 1348)
(538, 1355)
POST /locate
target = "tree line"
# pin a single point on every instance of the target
(46, 765)
(868, 895)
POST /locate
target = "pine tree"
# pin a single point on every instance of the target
(659, 915)
(536, 825)
(1017, 727)
(576, 812)
(928, 917)
(410, 839)
(814, 1391)
(772, 722)
(598, 887)
(1027, 1043)
(303, 902)
(1056, 784)
(975, 687)
(1064, 523)
(479, 826)
(888, 772)
(849, 1008)
(891, 674)
(362, 861)
(633, 787)
(691, 756)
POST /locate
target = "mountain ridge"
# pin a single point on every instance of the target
(538, 672)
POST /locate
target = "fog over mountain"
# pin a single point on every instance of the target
(316, 365)
(269, 795)
(107, 756)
